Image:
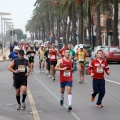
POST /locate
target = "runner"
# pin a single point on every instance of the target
(19, 68)
(47, 47)
(81, 57)
(41, 58)
(96, 69)
(47, 56)
(26, 45)
(31, 54)
(64, 65)
(61, 52)
(13, 55)
(53, 59)
(73, 57)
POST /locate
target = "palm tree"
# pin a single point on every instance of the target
(115, 25)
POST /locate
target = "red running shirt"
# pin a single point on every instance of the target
(53, 56)
(61, 52)
(66, 75)
(98, 68)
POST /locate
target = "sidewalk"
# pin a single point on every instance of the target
(4, 56)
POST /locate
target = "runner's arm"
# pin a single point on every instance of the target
(10, 67)
(30, 68)
(57, 67)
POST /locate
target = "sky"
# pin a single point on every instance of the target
(21, 11)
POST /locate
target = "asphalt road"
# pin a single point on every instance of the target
(43, 97)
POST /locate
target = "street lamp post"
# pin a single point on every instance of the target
(2, 13)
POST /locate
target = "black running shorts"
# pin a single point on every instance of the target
(54, 63)
(20, 82)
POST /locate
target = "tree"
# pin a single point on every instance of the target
(19, 33)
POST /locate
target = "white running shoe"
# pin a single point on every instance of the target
(49, 76)
(46, 72)
(40, 71)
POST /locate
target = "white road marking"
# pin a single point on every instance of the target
(32, 104)
(77, 118)
(112, 81)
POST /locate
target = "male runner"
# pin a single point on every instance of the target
(19, 68)
(64, 65)
(96, 69)
(61, 52)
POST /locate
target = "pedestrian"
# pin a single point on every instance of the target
(81, 58)
(64, 65)
(31, 54)
(53, 59)
(96, 69)
(13, 55)
(19, 68)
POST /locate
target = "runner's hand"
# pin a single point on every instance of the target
(65, 68)
(92, 74)
(27, 74)
(17, 71)
(108, 72)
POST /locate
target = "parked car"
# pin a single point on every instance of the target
(112, 54)
(93, 53)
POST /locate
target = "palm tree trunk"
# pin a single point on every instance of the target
(68, 31)
(98, 34)
(74, 24)
(89, 22)
(64, 29)
(115, 29)
(81, 24)
(53, 28)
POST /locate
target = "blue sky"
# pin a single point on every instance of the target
(21, 11)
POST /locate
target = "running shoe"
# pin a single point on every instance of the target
(69, 107)
(61, 102)
(43, 71)
(53, 78)
(23, 105)
(81, 81)
(19, 106)
(49, 76)
(46, 72)
(40, 71)
(92, 98)
(99, 105)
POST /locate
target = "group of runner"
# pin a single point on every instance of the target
(48, 56)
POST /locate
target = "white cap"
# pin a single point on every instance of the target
(47, 41)
(42, 45)
(16, 48)
(81, 45)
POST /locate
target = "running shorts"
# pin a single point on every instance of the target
(63, 84)
(54, 63)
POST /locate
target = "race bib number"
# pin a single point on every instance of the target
(21, 68)
(52, 57)
(32, 54)
(81, 60)
(48, 56)
(99, 69)
(66, 73)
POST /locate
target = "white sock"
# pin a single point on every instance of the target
(70, 99)
(62, 96)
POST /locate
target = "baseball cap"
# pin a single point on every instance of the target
(42, 45)
(21, 52)
(81, 45)
(16, 48)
